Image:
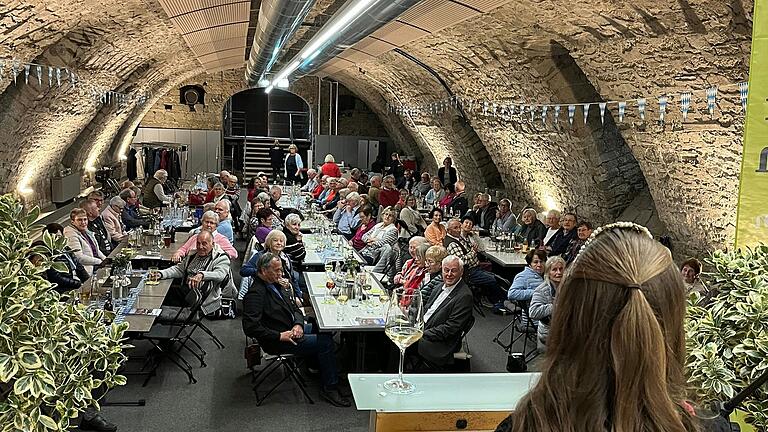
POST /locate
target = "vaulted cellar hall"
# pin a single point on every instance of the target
(384, 215)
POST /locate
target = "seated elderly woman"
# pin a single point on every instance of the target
(447, 199)
(253, 220)
(543, 299)
(434, 195)
(412, 219)
(274, 243)
(525, 282)
(294, 246)
(414, 269)
(433, 259)
(532, 230)
(264, 216)
(209, 222)
(380, 241)
(219, 193)
(367, 222)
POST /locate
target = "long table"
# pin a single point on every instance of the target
(315, 258)
(504, 259)
(149, 297)
(328, 314)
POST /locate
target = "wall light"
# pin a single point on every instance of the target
(24, 189)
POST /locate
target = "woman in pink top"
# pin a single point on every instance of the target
(209, 223)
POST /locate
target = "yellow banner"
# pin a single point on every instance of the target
(752, 214)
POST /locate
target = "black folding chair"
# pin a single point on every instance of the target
(164, 337)
(525, 330)
(290, 365)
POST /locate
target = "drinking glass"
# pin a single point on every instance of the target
(330, 285)
(404, 325)
(153, 276)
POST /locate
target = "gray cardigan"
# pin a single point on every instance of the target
(213, 274)
(541, 308)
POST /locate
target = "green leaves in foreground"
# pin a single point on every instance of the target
(49, 349)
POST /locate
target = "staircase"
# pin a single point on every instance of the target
(257, 160)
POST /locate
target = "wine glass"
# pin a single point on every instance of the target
(404, 325)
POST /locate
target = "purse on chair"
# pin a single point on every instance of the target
(516, 363)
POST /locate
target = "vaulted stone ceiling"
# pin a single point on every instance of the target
(536, 51)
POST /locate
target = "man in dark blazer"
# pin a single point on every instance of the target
(278, 325)
(448, 313)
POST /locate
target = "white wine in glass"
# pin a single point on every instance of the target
(404, 326)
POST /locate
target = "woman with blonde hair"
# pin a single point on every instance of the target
(292, 165)
(616, 343)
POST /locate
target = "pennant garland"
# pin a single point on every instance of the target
(59, 74)
(711, 99)
(517, 110)
(685, 104)
(602, 112)
(662, 108)
(743, 92)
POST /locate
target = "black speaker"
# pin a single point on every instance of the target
(192, 95)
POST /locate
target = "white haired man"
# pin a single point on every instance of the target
(312, 182)
(346, 217)
(154, 194)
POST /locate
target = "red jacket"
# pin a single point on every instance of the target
(389, 197)
(330, 169)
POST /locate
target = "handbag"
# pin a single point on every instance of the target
(516, 363)
(252, 353)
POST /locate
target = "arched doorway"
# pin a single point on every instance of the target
(252, 120)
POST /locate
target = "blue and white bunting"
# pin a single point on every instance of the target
(50, 76)
(2, 68)
(602, 112)
(641, 108)
(571, 112)
(39, 73)
(544, 109)
(557, 116)
(711, 99)
(26, 73)
(743, 93)
(662, 108)
(58, 77)
(14, 70)
(685, 104)
(585, 111)
(532, 110)
(622, 110)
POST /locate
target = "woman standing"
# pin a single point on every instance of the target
(292, 165)
(447, 174)
(616, 346)
(330, 168)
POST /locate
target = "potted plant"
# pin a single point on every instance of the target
(50, 347)
(727, 335)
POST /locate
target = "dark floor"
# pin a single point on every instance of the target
(222, 399)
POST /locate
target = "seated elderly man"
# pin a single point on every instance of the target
(97, 227)
(484, 212)
(130, 215)
(346, 217)
(311, 182)
(448, 314)
(421, 188)
(278, 325)
(204, 268)
(462, 246)
(112, 220)
(209, 222)
(225, 221)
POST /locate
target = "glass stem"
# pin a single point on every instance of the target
(402, 360)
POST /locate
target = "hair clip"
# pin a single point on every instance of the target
(621, 225)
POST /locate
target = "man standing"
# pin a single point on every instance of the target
(130, 214)
(448, 315)
(484, 213)
(278, 325)
(204, 269)
(97, 227)
(154, 194)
